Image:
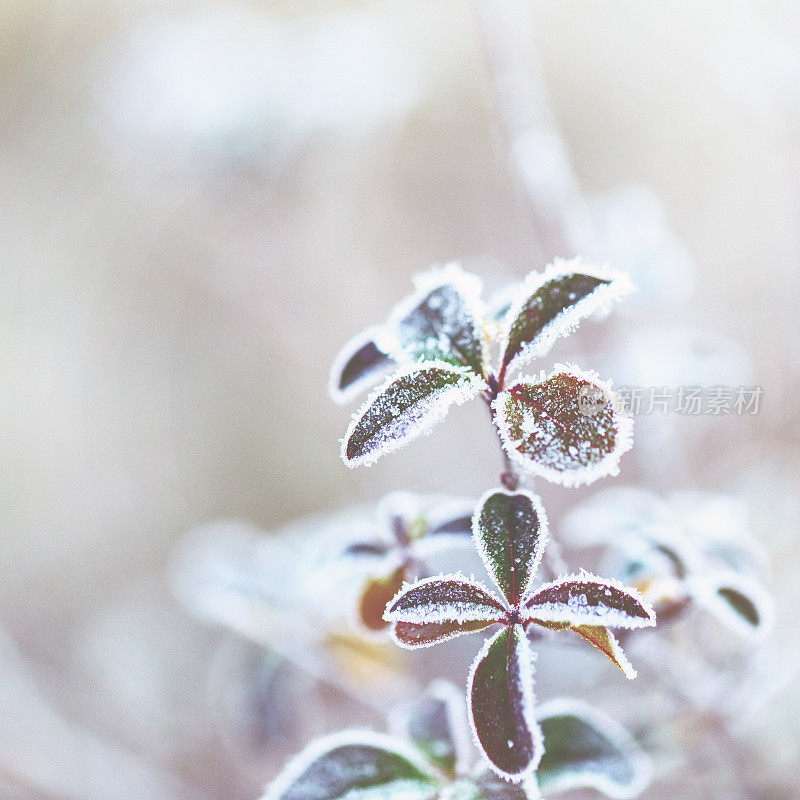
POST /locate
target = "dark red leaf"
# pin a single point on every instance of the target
(500, 694)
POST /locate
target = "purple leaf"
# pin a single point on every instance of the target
(500, 703)
(510, 531)
(356, 764)
(406, 407)
(551, 304)
(564, 428)
(588, 600)
(447, 598)
(442, 320)
(359, 364)
(415, 634)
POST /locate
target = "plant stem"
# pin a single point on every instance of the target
(509, 477)
(537, 157)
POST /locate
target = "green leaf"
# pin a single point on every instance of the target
(585, 749)
(435, 723)
(564, 428)
(551, 304)
(500, 703)
(406, 407)
(359, 765)
(511, 533)
(442, 320)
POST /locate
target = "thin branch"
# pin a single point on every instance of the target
(539, 164)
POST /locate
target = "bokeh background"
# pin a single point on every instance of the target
(200, 202)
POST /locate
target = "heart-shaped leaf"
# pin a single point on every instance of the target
(406, 407)
(441, 320)
(551, 304)
(565, 427)
(359, 765)
(435, 723)
(445, 598)
(500, 704)
(425, 634)
(585, 749)
(359, 364)
(511, 533)
(588, 600)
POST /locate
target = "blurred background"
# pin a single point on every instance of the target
(200, 202)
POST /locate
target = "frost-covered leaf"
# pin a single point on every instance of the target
(377, 594)
(584, 748)
(359, 364)
(737, 601)
(435, 723)
(565, 427)
(424, 634)
(447, 598)
(500, 702)
(588, 600)
(511, 533)
(441, 320)
(359, 765)
(406, 407)
(551, 304)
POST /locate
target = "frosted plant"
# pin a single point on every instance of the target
(428, 755)
(565, 426)
(510, 530)
(447, 347)
(690, 548)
